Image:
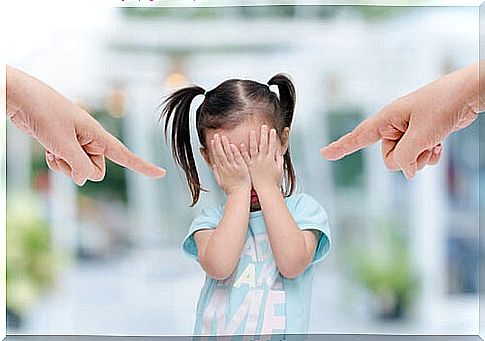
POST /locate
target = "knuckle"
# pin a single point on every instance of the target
(354, 137)
(390, 163)
(97, 178)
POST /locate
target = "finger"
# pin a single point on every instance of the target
(263, 140)
(93, 149)
(64, 166)
(408, 148)
(244, 153)
(78, 161)
(50, 160)
(221, 155)
(409, 170)
(272, 143)
(436, 156)
(253, 144)
(96, 154)
(423, 159)
(215, 160)
(119, 154)
(279, 159)
(216, 174)
(387, 148)
(227, 149)
(366, 133)
(99, 167)
(237, 155)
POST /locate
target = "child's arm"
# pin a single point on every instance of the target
(220, 248)
(293, 249)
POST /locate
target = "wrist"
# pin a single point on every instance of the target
(475, 103)
(24, 100)
(267, 188)
(13, 107)
(239, 191)
(467, 82)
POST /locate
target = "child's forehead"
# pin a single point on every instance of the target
(239, 133)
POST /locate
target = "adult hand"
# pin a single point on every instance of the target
(75, 143)
(413, 127)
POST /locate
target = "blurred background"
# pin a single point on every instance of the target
(106, 258)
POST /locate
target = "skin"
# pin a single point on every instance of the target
(75, 143)
(246, 158)
(413, 127)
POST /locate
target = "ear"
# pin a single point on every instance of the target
(205, 155)
(285, 139)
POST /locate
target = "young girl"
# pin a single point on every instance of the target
(258, 249)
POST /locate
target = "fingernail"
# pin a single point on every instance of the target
(50, 157)
(437, 149)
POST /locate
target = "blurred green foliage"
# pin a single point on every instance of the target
(30, 260)
(385, 267)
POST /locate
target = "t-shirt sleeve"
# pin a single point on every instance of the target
(209, 218)
(310, 215)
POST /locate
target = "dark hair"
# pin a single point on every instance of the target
(226, 106)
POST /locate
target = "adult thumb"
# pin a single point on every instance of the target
(78, 160)
(409, 147)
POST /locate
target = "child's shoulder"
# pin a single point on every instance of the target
(206, 217)
(211, 211)
(301, 199)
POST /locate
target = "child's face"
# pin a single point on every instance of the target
(240, 135)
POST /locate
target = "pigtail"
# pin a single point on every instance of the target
(287, 98)
(287, 101)
(177, 108)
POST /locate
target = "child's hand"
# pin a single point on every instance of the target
(265, 161)
(230, 170)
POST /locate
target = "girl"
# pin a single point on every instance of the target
(258, 249)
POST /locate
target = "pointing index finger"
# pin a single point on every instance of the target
(121, 155)
(365, 134)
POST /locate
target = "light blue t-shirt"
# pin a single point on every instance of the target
(256, 299)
